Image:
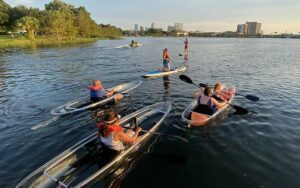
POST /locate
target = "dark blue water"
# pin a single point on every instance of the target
(260, 149)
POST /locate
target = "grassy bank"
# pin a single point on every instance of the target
(7, 41)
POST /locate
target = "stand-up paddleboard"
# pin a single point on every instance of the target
(200, 119)
(164, 73)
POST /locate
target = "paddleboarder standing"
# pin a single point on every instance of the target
(186, 49)
(166, 59)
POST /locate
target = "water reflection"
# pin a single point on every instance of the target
(166, 80)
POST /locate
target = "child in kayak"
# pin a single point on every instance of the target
(206, 103)
(112, 134)
(97, 92)
(221, 92)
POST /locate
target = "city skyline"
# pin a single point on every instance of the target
(206, 15)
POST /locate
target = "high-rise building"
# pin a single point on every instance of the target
(249, 28)
(136, 27)
(178, 26)
(242, 28)
(254, 28)
(141, 28)
(170, 28)
(152, 25)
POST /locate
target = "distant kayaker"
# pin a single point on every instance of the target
(97, 92)
(112, 134)
(186, 46)
(166, 59)
(206, 103)
(221, 92)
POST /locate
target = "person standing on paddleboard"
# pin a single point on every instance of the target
(166, 59)
(186, 46)
(97, 92)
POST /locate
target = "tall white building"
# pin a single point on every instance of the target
(152, 25)
(136, 27)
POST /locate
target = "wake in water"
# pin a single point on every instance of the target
(122, 46)
(45, 123)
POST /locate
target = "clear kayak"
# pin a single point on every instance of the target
(200, 119)
(164, 73)
(78, 106)
(88, 160)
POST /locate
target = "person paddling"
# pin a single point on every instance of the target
(97, 92)
(207, 104)
(186, 46)
(166, 59)
(221, 92)
(112, 134)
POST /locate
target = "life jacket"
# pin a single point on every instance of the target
(97, 91)
(109, 141)
(114, 128)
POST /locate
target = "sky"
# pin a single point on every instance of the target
(196, 15)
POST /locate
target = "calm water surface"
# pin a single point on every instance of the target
(260, 149)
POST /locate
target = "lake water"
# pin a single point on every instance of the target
(260, 149)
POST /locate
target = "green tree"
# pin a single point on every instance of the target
(4, 14)
(86, 26)
(28, 23)
(60, 20)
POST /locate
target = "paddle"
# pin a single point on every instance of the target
(239, 110)
(173, 63)
(249, 97)
(156, 133)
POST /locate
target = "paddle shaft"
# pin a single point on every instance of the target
(173, 63)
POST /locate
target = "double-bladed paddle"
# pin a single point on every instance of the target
(239, 110)
(249, 97)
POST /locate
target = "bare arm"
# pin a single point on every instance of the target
(126, 138)
(218, 104)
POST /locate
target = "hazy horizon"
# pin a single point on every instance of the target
(205, 15)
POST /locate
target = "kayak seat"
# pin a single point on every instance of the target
(203, 109)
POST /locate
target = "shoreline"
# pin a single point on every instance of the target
(22, 42)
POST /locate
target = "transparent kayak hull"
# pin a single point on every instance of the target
(75, 167)
(200, 119)
(80, 105)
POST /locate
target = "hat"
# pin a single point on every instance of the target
(165, 50)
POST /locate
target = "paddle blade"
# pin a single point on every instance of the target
(252, 97)
(186, 79)
(249, 97)
(240, 110)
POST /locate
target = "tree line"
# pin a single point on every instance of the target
(59, 21)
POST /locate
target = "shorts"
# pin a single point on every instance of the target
(166, 64)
